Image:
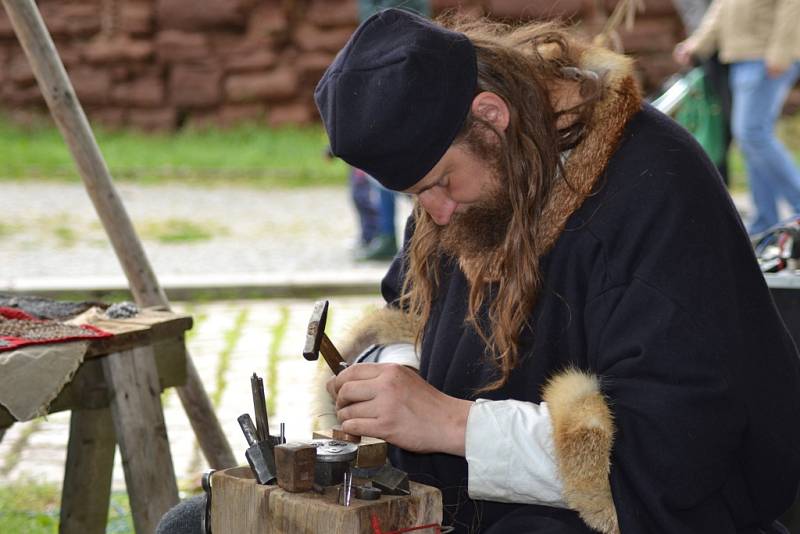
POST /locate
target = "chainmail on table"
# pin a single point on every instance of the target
(24, 329)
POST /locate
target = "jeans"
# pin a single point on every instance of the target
(386, 210)
(367, 210)
(757, 103)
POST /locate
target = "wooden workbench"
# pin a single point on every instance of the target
(115, 398)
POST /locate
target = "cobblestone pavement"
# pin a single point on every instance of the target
(51, 230)
(230, 341)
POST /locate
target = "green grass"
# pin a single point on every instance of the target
(33, 508)
(231, 340)
(30, 508)
(278, 333)
(180, 231)
(65, 235)
(12, 456)
(247, 154)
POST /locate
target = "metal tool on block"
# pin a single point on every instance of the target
(318, 342)
(346, 489)
(391, 481)
(367, 493)
(334, 459)
(260, 408)
(260, 411)
(207, 484)
(259, 454)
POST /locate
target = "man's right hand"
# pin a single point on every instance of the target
(392, 402)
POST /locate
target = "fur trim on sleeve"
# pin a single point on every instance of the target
(383, 326)
(380, 327)
(583, 434)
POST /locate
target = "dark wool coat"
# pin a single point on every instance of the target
(653, 288)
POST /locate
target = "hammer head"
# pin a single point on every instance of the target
(316, 329)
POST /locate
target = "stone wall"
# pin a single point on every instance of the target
(165, 64)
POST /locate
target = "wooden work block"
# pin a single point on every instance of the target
(341, 435)
(240, 505)
(295, 465)
(371, 451)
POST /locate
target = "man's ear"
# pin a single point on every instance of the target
(491, 108)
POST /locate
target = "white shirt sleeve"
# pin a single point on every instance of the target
(402, 353)
(510, 453)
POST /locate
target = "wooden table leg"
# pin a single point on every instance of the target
(142, 435)
(87, 475)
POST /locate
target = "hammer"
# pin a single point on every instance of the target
(317, 341)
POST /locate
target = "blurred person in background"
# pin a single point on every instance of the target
(759, 40)
(715, 72)
(361, 193)
(371, 198)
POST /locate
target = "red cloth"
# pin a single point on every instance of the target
(13, 342)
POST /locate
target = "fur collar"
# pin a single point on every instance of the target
(590, 158)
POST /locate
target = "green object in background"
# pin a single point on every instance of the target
(700, 112)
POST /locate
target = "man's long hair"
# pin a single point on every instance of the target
(518, 64)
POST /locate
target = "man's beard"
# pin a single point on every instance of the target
(481, 229)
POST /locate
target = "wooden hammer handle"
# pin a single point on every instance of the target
(331, 355)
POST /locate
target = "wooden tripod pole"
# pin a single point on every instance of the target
(71, 120)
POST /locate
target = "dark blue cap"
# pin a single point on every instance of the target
(397, 95)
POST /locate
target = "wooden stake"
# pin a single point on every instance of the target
(71, 120)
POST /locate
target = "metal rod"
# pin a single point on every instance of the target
(260, 407)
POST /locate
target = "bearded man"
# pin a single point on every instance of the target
(577, 336)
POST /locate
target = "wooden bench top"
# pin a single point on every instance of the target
(148, 327)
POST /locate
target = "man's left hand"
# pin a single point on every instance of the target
(394, 403)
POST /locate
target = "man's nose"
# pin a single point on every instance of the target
(438, 205)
